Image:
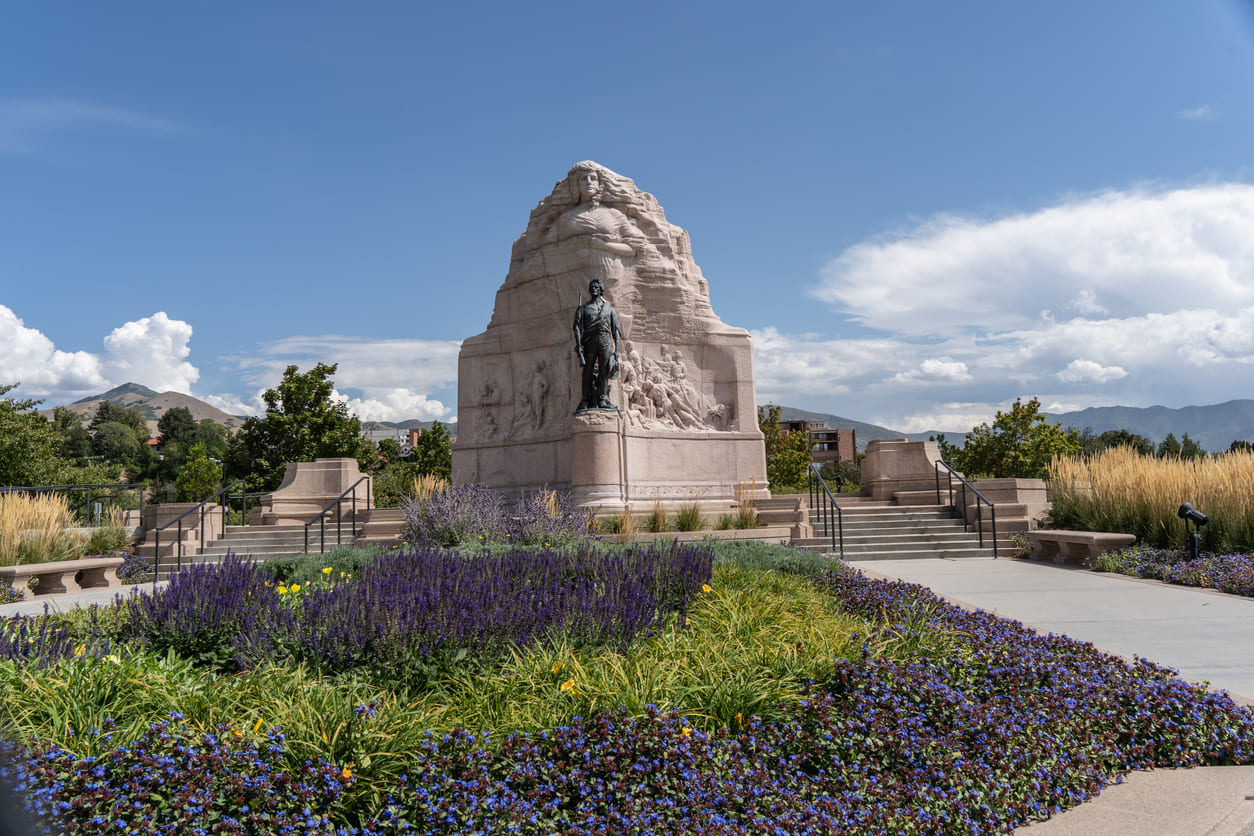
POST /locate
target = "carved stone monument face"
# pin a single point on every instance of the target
(537, 409)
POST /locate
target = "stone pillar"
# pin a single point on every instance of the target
(597, 465)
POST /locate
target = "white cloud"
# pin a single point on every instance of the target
(1086, 371)
(1139, 252)
(29, 357)
(1203, 113)
(1138, 298)
(24, 123)
(395, 378)
(151, 351)
(395, 405)
(1086, 302)
(934, 369)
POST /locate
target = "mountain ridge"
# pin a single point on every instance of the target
(1213, 426)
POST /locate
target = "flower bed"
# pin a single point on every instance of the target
(1231, 573)
(990, 728)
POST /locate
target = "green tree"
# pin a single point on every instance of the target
(199, 477)
(1018, 444)
(29, 446)
(389, 451)
(1241, 445)
(1190, 449)
(1114, 438)
(75, 439)
(301, 423)
(132, 416)
(1169, 447)
(116, 442)
(787, 453)
(433, 453)
(177, 425)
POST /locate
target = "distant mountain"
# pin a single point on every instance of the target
(863, 432)
(1214, 427)
(152, 404)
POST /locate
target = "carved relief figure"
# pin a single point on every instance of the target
(597, 340)
(531, 408)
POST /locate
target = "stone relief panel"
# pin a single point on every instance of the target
(659, 394)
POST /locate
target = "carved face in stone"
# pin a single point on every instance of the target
(589, 184)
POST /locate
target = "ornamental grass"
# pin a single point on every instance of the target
(1120, 490)
(33, 529)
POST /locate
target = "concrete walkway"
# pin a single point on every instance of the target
(1205, 635)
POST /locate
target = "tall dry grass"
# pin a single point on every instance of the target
(33, 529)
(1121, 490)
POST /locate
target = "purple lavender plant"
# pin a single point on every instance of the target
(424, 606)
(221, 614)
(454, 516)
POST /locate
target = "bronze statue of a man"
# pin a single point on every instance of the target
(597, 340)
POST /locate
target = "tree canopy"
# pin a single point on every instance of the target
(301, 423)
(30, 447)
(1018, 444)
(787, 453)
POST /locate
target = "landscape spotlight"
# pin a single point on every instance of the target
(1190, 514)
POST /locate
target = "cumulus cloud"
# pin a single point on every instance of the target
(152, 350)
(933, 369)
(1086, 371)
(395, 379)
(1138, 297)
(29, 357)
(1139, 252)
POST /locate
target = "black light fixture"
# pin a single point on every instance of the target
(1191, 515)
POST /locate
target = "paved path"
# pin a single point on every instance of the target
(1205, 635)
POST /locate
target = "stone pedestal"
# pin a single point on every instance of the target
(894, 465)
(308, 487)
(685, 425)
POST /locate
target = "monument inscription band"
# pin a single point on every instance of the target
(681, 424)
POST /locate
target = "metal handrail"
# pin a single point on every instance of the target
(829, 508)
(339, 518)
(70, 488)
(979, 512)
(156, 560)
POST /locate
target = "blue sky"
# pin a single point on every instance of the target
(920, 211)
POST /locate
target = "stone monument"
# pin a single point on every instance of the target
(650, 399)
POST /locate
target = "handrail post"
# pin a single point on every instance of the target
(992, 509)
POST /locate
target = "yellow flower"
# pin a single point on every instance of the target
(80, 650)
(739, 720)
(568, 685)
(341, 574)
(282, 589)
(687, 732)
(326, 570)
(258, 726)
(705, 587)
(557, 667)
(346, 772)
(114, 659)
(295, 587)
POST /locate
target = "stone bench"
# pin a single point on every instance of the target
(1079, 547)
(65, 576)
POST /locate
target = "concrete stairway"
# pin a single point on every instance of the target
(884, 530)
(259, 542)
